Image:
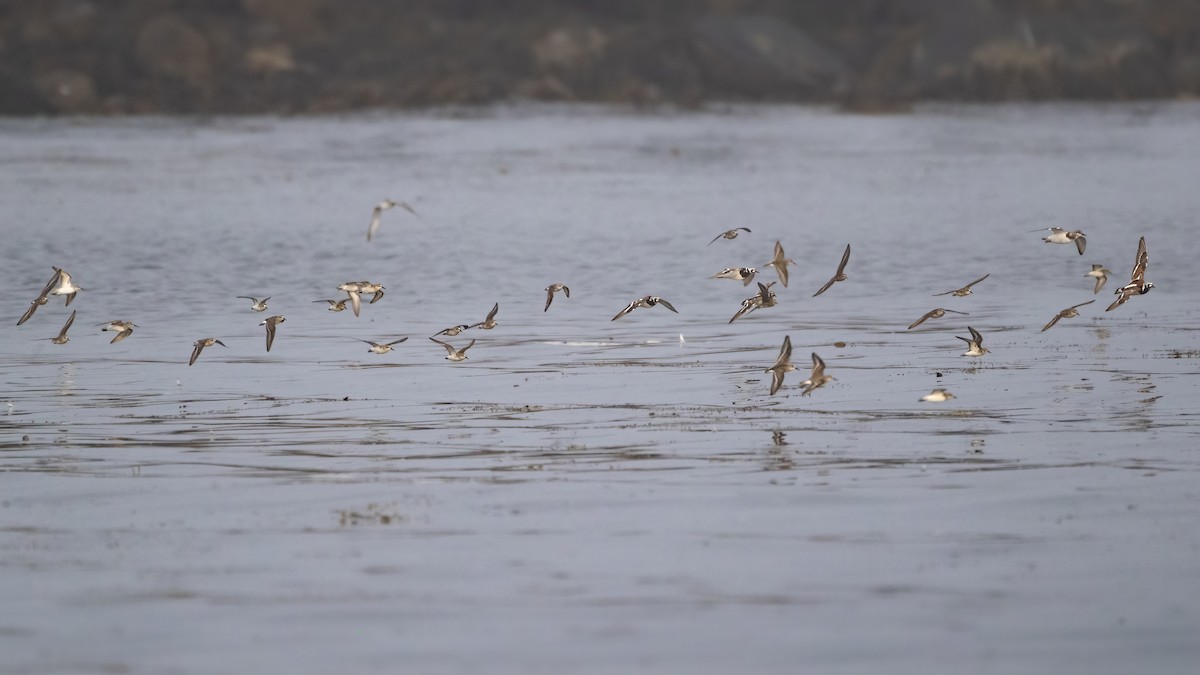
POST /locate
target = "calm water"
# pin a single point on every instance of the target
(585, 495)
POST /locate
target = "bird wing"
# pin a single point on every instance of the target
(922, 320)
(376, 218)
(668, 305)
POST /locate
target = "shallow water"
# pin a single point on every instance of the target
(584, 495)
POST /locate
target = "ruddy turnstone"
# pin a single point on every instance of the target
(742, 274)
(1137, 279)
(646, 301)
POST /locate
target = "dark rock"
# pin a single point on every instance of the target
(763, 57)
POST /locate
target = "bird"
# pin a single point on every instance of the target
(965, 290)
(37, 302)
(934, 314)
(783, 364)
(1067, 313)
(377, 214)
(453, 354)
(352, 289)
(61, 284)
(742, 274)
(123, 329)
(256, 304)
(200, 345)
(974, 343)
(335, 305)
(1101, 276)
(764, 298)
(551, 290)
(1137, 279)
(818, 377)
(646, 301)
(937, 396)
(452, 331)
(490, 322)
(375, 289)
(61, 338)
(382, 348)
(780, 263)
(1060, 236)
(841, 272)
(271, 322)
(728, 234)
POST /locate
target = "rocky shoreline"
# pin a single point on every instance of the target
(318, 56)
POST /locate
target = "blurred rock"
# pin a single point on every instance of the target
(763, 57)
(247, 56)
(269, 59)
(167, 45)
(302, 21)
(568, 47)
(67, 91)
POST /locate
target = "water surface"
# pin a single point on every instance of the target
(585, 495)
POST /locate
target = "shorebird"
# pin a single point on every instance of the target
(123, 329)
(377, 214)
(61, 284)
(452, 330)
(382, 348)
(840, 275)
(335, 305)
(453, 354)
(37, 302)
(375, 289)
(783, 364)
(352, 289)
(965, 290)
(728, 234)
(62, 338)
(974, 343)
(780, 262)
(490, 322)
(271, 322)
(1068, 313)
(1060, 236)
(256, 304)
(200, 345)
(646, 301)
(934, 314)
(1137, 279)
(742, 274)
(937, 396)
(1100, 274)
(764, 298)
(551, 290)
(355, 301)
(818, 377)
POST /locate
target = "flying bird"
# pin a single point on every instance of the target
(377, 214)
(965, 290)
(783, 364)
(840, 275)
(728, 234)
(1068, 313)
(1137, 279)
